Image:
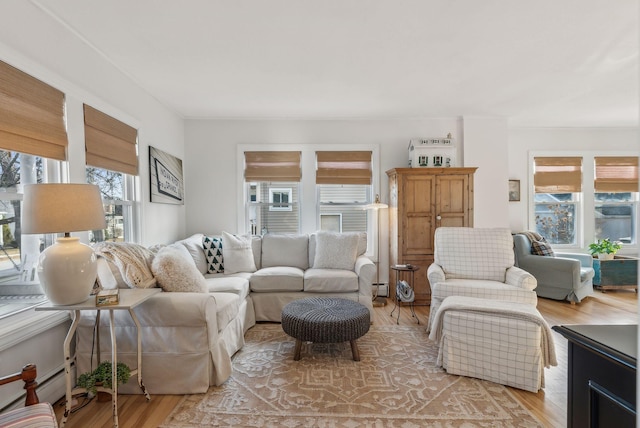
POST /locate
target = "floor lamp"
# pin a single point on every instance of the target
(376, 206)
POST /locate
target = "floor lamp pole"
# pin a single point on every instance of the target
(376, 206)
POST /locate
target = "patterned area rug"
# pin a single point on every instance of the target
(396, 384)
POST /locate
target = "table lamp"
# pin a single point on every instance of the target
(67, 269)
(377, 205)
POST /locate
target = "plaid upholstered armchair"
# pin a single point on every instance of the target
(477, 262)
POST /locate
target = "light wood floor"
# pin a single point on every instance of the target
(549, 404)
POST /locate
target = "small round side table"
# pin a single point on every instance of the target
(410, 270)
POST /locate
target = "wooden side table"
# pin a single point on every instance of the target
(408, 270)
(129, 299)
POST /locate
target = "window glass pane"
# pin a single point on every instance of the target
(555, 215)
(341, 207)
(19, 253)
(273, 207)
(615, 215)
(117, 205)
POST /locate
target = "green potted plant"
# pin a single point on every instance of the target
(605, 249)
(101, 376)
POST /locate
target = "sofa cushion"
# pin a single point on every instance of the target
(175, 270)
(282, 278)
(238, 253)
(237, 284)
(335, 250)
(285, 250)
(227, 307)
(330, 280)
(194, 246)
(362, 244)
(212, 246)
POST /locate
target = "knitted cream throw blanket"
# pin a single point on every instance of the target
(132, 260)
(512, 310)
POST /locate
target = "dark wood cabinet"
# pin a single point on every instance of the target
(601, 375)
(421, 200)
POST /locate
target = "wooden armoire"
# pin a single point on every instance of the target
(421, 200)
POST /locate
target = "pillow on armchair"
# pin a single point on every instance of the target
(542, 248)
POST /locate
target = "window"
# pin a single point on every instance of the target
(343, 181)
(272, 189)
(557, 187)
(112, 165)
(616, 198)
(118, 198)
(330, 188)
(34, 141)
(279, 199)
(570, 211)
(19, 253)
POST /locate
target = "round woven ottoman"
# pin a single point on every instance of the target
(325, 320)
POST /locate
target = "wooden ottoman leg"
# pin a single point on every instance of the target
(355, 351)
(296, 353)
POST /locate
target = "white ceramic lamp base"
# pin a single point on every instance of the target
(67, 271)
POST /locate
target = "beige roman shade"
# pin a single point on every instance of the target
(558, 174)
(31, 115)
(616, 174)
(109, 143)
(343, 167)
(272, 166)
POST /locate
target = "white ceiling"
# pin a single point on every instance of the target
(540, 63)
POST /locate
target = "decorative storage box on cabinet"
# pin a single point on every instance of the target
(421, 200)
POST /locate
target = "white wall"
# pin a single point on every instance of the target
(35, 43)
(524, 140)
(485, 146)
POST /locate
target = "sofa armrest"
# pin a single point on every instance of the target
(520, 278)
(366, 271)
(435, 274)
(586, 260)
(552, 270)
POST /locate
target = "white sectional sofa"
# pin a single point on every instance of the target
(188, 338)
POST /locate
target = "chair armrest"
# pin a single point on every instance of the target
(435, 274)
(520, 278)
(586, 260)
(28, 376)
(552, 270)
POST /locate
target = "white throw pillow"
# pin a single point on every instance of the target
(237, 253)
(175, 270)
(335, 251)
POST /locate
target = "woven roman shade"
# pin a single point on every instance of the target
(616, 174)
(31, 115)
(343, 167)
(109, 143)
(558, 174)
(272, 166)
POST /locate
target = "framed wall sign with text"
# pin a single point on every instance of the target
(165, 174)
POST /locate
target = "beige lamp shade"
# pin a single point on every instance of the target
(67, 269)
(62, 208)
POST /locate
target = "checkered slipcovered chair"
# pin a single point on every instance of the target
(477, 262)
